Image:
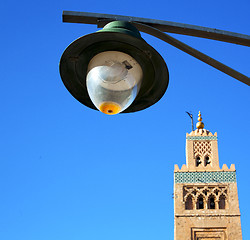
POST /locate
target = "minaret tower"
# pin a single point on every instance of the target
(206, 205)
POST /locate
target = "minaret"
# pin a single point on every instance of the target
(206, 205)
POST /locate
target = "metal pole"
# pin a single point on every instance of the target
(192, 121)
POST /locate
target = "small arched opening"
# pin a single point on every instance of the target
(222, 202)
(189, 203)
(200, 203)
(211, 202)
(197, 161)
(207, 161)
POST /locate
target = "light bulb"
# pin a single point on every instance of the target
(113, 81)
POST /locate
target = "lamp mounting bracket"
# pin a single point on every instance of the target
(158, 27)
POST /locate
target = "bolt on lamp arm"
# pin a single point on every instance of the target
(156, 28)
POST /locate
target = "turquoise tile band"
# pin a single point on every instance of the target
(205, 177)
(201, 138)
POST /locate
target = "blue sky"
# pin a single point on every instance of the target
(69, 172)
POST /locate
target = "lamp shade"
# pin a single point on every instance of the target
(114, 62)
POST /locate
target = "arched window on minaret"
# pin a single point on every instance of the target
(189, 203)
(222, 202)
(211, 202)
(207, 161)
(197, 161)
(200, 202)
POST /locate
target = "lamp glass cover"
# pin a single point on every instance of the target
(113, 81)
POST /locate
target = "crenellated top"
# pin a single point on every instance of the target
(224, 168)
(201, 134)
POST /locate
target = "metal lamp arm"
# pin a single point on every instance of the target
(193, 52)
(156, 28)
(164, 26)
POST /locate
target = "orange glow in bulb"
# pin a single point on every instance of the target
(110, 108)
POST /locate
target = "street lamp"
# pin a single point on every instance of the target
(115, 70)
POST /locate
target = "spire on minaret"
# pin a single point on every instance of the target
(200, 124)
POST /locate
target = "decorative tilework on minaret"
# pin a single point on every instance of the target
(206, 205)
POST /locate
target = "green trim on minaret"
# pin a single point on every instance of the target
(205, 177)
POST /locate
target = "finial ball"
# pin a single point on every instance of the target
(200, 124)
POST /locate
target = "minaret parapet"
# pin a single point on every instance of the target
(201, 132)
(232, 167)
(224, 168)
(176, 168)
(184, 168)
